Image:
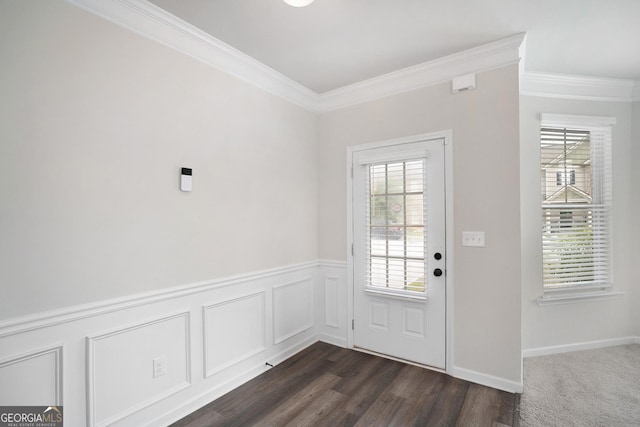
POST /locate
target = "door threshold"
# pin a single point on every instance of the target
(397, 359)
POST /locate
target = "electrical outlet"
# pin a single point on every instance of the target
(159, 366)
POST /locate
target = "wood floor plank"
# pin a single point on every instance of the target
(363, 397)
(205, 419)
(479, 408)
(384, 408)
(446, 404)
(326, 386)
(294, 405)
(318, 409)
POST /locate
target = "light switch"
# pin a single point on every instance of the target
(473, 238)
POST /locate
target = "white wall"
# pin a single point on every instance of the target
(635, 183)
(583, 322)
(105, 265)
(486, 281)
(95, 123)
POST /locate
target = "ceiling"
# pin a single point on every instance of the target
(333, 43)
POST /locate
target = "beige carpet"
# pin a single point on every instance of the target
(583, 388)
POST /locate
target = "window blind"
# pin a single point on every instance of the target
(576, 207)
(395, 225)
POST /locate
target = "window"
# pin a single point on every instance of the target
(395, 225)
(576, 202)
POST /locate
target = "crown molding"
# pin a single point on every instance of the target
(149, 20)
(153, 22)
(578, 87)
(482, 58)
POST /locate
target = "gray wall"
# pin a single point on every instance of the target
(95, 124)
(545, 326)
(486, 185)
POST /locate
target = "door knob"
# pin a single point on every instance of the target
(437, 272)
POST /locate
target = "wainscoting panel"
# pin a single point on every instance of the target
(292, 309)
(122, 372)
(210, 336)
(331, 302)
(34, 378)
(234, 330)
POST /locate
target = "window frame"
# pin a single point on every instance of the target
(593, 124)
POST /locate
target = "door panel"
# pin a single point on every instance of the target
(398, 222)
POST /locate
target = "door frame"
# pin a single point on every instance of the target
(447, 135)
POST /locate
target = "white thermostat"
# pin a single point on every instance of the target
(185, 179)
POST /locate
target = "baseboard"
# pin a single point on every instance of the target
(329, 339)
(216, 392)
(486, 380)
(273, 328)
(589, 345)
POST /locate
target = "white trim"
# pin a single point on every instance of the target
(153, 22)
(447, 135)
(205, 329)
(482, 58)
(90, 368)
(487, 380)
(562, 120)
(305, 327)
(330, 339)
(219, 390)
(334, 323)
(401, 295)
(554, 299)
(332, 264)
(32, 322)
(589, 345)
(397, 359)
(57, 351)
(578, 87)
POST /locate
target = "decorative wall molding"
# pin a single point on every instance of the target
(149, 20)
(164, 389)
(56, 352)
(232, 339)
(220, 389)
(589, 345)
(92, 357)
(69, 314)
(331, 302)
(482, 58)
(578, 87)
(292, 314)
(109, 341)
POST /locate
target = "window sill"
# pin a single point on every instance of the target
(577, 297)
(395, 294)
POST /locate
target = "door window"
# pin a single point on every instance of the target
(395, 226)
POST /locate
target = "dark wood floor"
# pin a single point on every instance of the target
(326, 385)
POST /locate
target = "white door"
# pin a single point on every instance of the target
(399, 251)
